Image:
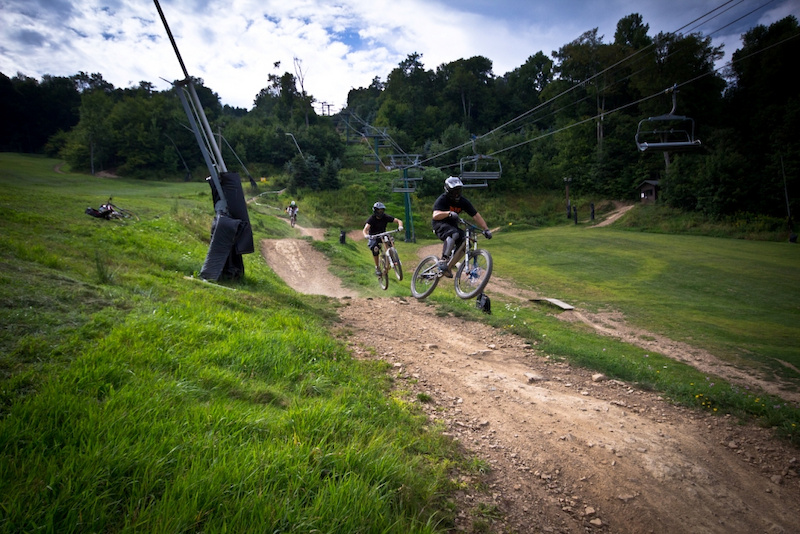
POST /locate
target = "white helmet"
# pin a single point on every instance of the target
(452, 186)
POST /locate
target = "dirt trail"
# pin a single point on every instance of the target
(570, 451)
(619, 211)
(302, 268)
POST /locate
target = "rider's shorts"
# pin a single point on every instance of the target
(374, 246)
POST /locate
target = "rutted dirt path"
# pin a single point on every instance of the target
(302, 268)
(570, 451)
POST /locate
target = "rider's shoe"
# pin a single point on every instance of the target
(377, 271)
(444, 268)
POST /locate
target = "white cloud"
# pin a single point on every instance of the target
(234, 44)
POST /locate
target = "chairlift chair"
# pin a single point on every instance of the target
(411, 172)
(667, 133)
(477, 170)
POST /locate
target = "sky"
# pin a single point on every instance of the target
(336, 45)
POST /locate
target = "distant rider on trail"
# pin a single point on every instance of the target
(292, 210)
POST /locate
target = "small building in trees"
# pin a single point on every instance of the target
(648, 191)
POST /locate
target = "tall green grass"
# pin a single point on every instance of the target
(135, 398)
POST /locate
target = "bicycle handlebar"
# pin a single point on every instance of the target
(390, 232)
(467, 223)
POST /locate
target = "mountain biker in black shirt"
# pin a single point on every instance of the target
(446, 211)
(376, 224)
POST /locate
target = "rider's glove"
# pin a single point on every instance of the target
(399, 228)
(453, 216)
(487, 234)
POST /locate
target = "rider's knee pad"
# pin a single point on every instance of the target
(449, 245)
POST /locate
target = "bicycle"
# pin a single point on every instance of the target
(473, 268)
(388, 258)
(110, 211)
(292, 212)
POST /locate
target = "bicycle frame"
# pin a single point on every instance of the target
(386, 242)
(470, 242)
(388, 259)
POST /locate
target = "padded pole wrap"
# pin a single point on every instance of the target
(222, 261)
(231, 233)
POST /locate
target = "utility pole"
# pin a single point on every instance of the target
(567, 180)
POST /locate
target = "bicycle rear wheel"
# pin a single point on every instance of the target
(383, 278)
(398, 268)
(425, 277)
(472, 277)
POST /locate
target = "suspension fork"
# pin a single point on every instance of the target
(385, 251)
(470, 244)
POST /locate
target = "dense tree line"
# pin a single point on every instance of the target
(571, 114)
(575, 116)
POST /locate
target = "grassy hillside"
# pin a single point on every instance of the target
(134, 397)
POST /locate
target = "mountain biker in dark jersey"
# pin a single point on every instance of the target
(446, 212)
(292, 209)
(376, 224)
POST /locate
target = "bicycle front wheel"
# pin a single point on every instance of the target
(383, 278)
(472, 276)
(398, 268)
(126, 214)
(425, 277)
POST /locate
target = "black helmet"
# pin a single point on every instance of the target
(378, 208)
(452, 186)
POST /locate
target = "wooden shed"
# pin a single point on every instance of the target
(648, 191)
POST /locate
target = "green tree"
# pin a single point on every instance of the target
(304, 172)
(89, 145)
(284, 101)
(329, 175)
(469, 83)
(522, 87)
(764, 110)
(363, 102)
(408, 92)
(34, 111)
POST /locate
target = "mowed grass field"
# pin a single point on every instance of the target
(135, 398)
(738, 299)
